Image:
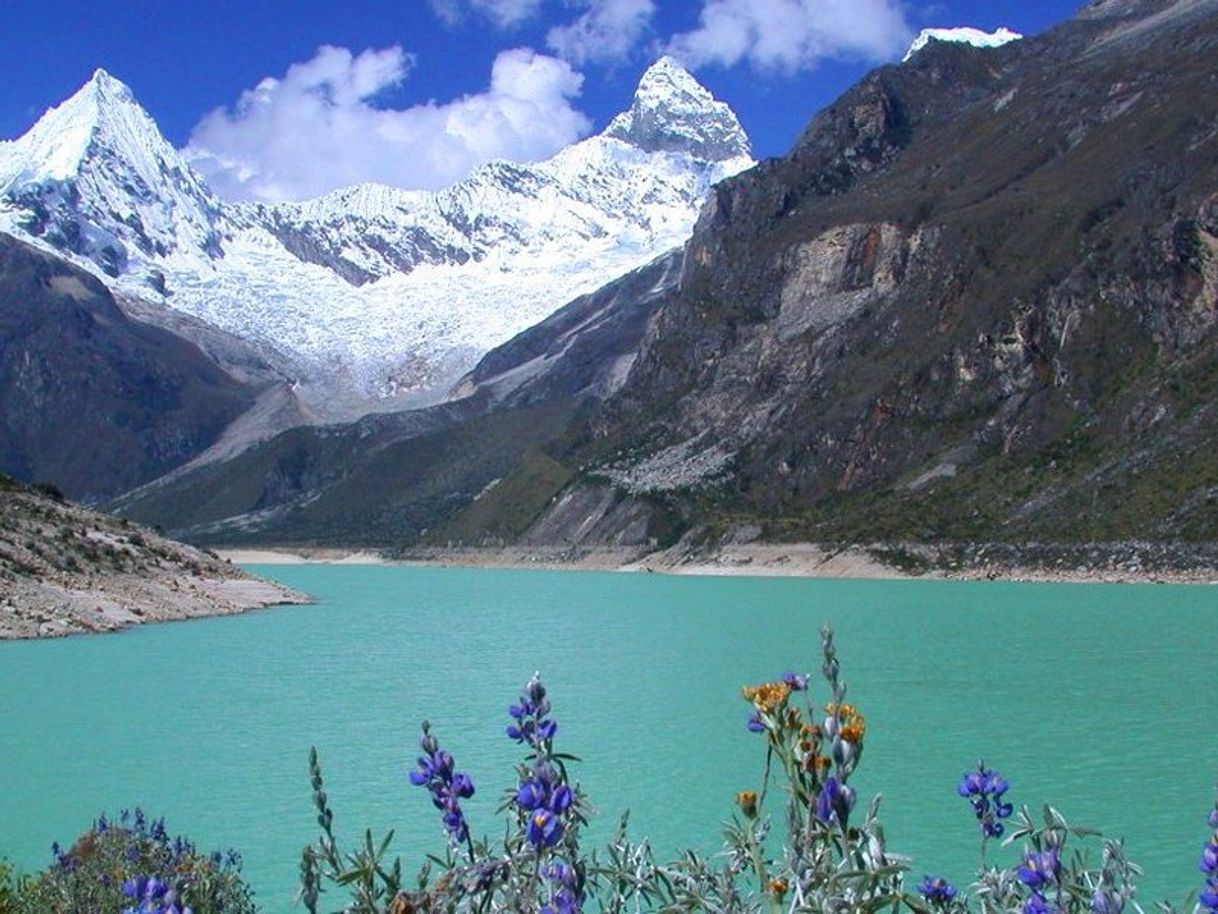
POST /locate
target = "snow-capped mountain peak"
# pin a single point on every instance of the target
(95, 177)
(673, 112)
(370, 290)
(962, 35)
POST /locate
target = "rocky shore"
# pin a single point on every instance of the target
(1082, 563)
(66, 570)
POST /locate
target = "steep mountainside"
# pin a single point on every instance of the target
(370, 290)
(90, 399)
(977, 302)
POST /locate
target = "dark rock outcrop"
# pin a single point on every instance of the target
(91, 400)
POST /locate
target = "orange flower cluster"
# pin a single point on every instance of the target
(854, 727)
(767, 696)
(778, 887)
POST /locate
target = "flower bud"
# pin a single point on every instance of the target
(535, 691)
(747, 801)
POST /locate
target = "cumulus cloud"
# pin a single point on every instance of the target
(317, 128)
(606, 30)
(504, 13)
(793, 35)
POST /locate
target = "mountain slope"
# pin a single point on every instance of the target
(90, 399)
(370, 291)
(976, 301)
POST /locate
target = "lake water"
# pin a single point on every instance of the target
(1100, 699)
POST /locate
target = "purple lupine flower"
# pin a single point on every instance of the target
(798, 682)
(1209, 857)
(985, 789)
(1037, 904)
(936, 890)
(755, 723)
(835, 802)
(567, 895)
(530, 724)
(1106, 900)
(544, 828)
(1039, 869)
(1209, 896)
(446, 785)
(1213, 819)
(531, 795)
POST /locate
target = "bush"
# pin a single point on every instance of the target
(831, 856)
(8, 886)
(134, 866)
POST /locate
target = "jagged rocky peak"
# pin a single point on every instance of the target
(962, 35)
(673, 112)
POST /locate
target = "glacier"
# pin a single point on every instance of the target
(369, 291)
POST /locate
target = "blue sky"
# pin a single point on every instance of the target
(416, 92)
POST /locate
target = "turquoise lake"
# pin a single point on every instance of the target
(1098, 698)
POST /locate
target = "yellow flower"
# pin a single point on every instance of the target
(767, 696)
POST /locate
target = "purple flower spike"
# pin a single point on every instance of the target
(446, 786)
(984, 789)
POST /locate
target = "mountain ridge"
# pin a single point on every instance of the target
(976, 303)
(370, 290)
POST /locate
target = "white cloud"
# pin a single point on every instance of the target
(607, 30)
(792, 35)
(316, 128)
(504, 13)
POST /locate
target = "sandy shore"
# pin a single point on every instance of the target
(300, 557)
(805, 560)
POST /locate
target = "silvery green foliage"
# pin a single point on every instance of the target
(795, 844)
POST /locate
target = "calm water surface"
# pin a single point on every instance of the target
(1097, 698)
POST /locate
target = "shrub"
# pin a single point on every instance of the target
(8, 885)
(831, 857)
(134, 866)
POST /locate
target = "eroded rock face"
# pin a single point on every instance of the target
(987, 274)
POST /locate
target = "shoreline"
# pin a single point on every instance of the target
(790, 560)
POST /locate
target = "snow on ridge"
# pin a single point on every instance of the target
(962, 35)
(370, 288)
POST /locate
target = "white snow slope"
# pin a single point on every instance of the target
(964, 35)
(370, 290)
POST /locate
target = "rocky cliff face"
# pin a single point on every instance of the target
(977, 300)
